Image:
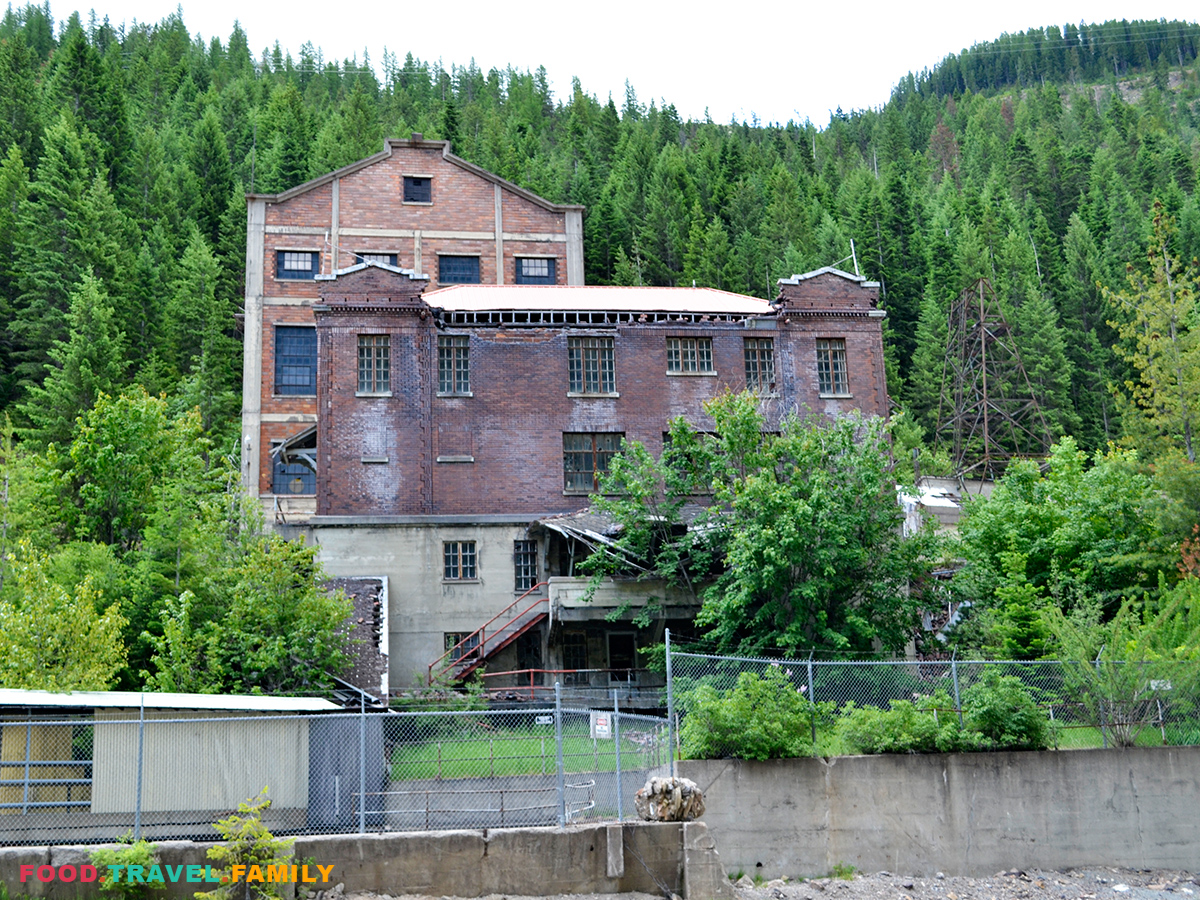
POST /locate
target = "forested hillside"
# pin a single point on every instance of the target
(1035, 160)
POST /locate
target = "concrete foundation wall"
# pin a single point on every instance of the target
(578, 860)
(962, 814)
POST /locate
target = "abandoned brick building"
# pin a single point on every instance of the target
(450, 434)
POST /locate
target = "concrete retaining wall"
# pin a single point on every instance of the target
(578, 860)
(962, 814)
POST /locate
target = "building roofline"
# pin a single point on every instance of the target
(164, 700)
(829, 270)
(391, 144)
(358, 267)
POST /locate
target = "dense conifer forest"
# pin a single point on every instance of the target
(1059, 163)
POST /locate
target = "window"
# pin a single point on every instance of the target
(454, 373)
(760, 364)
(525, 564)
(293, 478)
(622, 656)
(590, 361)
(458, 270)
(373, 364)
(300, 264)
(585, 456)
(458, 560)
(575, 657)
(387, 259)
(295, 360)
(418, 189)
(689, 355)
(461, 644)
(831, 366)
(535, 271)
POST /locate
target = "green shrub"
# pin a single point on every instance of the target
(906, 727)
(247, 843)
(129, 853)
(762, 717)
(1002, 711)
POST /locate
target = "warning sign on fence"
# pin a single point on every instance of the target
(601, 725)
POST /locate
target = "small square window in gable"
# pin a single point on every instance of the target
(418, 189)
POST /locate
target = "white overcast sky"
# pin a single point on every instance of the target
(780, 61)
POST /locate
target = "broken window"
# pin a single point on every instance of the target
(831, 366)
(461, 644)
(525, 564)
(458, 560)
(760, 364)
(454, 373)
(689, 355)
(585, 456)
(295, 360)
(590, 363)
(374, 362)
(294, 464)
(535, 270)
(296, 264)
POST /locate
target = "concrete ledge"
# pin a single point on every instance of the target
(582, 859)
(962, 813)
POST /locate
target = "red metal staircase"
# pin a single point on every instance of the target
(493, 636)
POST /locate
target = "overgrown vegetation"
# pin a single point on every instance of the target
(129, 853)
(247, 842)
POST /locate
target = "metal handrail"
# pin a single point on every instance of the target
(480, 648)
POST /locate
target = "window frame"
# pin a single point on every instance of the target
(295, 472)
(478, 273)
(759, 363)
(449, 370)
(701, 351)
(460, 561)
(833, 375)
(551, 276)
(308, 274)
(408, 185)
(360, 257)
(526, 566)
(592, 451)
(375, 365)
(280, 388)
(585, 380)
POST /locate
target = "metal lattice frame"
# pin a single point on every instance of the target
(988, 408)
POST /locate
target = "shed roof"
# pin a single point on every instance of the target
(134, 699)
(488, 297)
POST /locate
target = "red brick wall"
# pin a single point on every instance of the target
(513, 424)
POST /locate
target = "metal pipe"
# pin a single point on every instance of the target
(670, 707)
(137, 808)
(562, 790)
(616, 733)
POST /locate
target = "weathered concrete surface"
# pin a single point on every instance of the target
(584, 859)
(965, 814)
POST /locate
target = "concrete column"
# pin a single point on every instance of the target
(333, 226)
(499, 195)
(252, 350)
(574, 246)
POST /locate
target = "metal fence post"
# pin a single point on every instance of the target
(28, 747)
(1100, 699)
(137, 806)
(558, 752)
(670, 707)
(362, 763)
(812, 698)
(954, 676)
(616, 733)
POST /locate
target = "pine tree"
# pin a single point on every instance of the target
(208, 158)
(90, 362)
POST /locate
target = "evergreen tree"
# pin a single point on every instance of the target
(208, 157)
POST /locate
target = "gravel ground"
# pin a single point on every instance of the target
(1095, 883)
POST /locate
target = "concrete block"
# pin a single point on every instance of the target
(704, 877)
(11, 860)
(616, 851)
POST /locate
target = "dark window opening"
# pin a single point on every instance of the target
(418, 190)
(590, 366)
(373, 364)
(295, 360)
(525, 564)
(622, 656)
(760, 364)
(831, 366)
(454, 372)
(458, 270)
(575, 657)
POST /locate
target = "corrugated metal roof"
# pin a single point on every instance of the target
(487, 297)
(133, 699)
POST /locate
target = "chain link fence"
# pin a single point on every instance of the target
(169, 775)
(1097, 705)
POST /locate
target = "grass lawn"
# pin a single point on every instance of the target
(521, 752)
